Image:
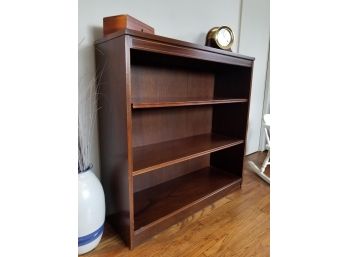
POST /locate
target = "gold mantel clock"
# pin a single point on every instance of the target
(220, 37)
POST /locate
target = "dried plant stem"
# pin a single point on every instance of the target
(87, 119)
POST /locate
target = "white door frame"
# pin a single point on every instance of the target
(266, 106)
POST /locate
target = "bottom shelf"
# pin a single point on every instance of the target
(165, 204)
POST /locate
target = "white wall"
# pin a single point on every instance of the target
(180, 19)
(254, 41)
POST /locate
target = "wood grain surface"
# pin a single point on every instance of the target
(181, 101)
(154, 156)
(235, 226)
(165, 199)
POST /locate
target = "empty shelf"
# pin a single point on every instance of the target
(157, 204)
(150, 157)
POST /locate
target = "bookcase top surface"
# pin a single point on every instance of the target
(171, 41)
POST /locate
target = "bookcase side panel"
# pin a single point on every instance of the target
(111, 62)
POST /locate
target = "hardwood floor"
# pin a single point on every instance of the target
(235, 226)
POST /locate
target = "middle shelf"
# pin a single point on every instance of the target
(154, 156)
(156, 102)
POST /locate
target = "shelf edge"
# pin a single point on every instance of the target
(187, 103)
(185, 158)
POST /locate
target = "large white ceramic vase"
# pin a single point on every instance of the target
(91, 211)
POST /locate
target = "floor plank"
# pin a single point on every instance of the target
(235, 226)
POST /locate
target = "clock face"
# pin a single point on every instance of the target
(224, 37)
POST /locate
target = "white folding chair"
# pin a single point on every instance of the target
(261, 171)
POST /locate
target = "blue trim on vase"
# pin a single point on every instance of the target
(83, 240)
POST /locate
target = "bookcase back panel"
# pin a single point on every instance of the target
(152, 126)
(157, 76)
(160, 176)
(170, 82)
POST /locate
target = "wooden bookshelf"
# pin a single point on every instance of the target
(172, 125)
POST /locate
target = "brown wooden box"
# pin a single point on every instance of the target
(120, 22)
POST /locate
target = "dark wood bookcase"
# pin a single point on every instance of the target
(172, 123)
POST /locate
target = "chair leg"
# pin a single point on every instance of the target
(261, 171)
(257, 170)
(265, 162)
